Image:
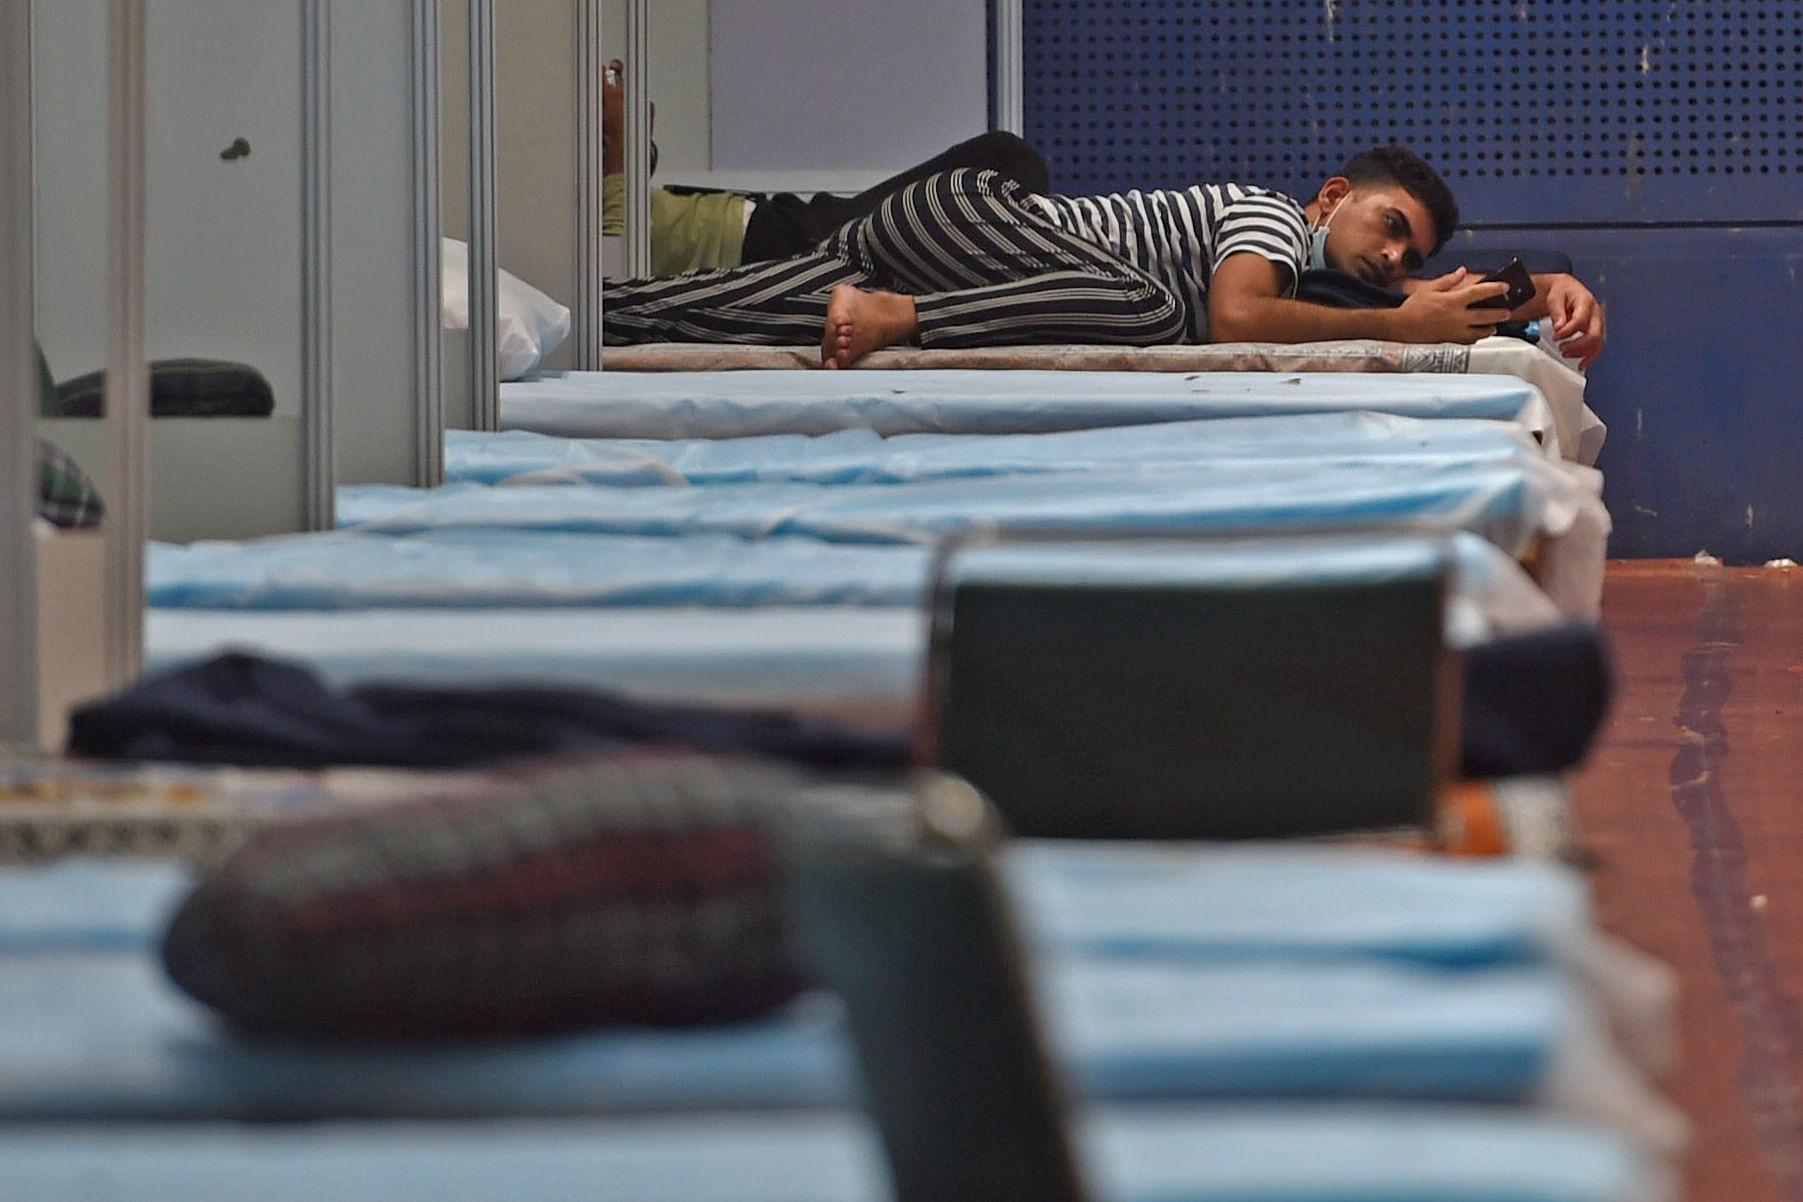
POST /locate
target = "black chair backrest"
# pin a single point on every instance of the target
(1100, 699)
(915, 934)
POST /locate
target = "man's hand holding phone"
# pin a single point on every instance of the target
(1520, 287)
(1452, 308)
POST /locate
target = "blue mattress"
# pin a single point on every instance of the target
(102, 1035)
(1153, 901)
(836, 629)
(458, 567)
(489, 568)
(863, 456)
(856, 664)
(1296, 901)
(1163, 1154)
(738, 404)
(90, 1030)
(1507, 503)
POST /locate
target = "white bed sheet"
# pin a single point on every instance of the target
(1510, 503)
(488, 567)
(1580, 431)
(1530, 505)
(863, 456)
(741, 404)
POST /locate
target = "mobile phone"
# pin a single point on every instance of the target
(1521, 287)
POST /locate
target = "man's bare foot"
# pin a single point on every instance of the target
(858, 322)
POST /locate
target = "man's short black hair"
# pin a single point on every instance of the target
(1404, 168)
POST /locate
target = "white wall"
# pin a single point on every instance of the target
(535, 137)
(374, 245)
(845, 85)
(677, 40)
(69, 152)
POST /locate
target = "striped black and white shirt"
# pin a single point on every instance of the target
(1180, 237)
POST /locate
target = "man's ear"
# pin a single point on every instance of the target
(1333, 190)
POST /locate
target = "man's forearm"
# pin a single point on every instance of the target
(1246, 304)
(1280, 319)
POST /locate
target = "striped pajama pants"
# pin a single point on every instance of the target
(984, 270)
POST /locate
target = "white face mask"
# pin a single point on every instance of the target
(1317, 244)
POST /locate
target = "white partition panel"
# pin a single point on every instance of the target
(127, 378)
(317, 377)
(18, 387)
(548, 59)
(428, 229)
(591, 62)
(536, 52)
(223, 240)
(638, 138)
(386, 343)
(485, 376)
(291, 205)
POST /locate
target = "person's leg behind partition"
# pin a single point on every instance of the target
(785, 225)
(771, 304)
(960, 260)
(1006, 154)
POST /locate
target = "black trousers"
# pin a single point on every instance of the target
(985, 267)
(784, 225)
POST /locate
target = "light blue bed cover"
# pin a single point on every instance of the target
(736, 404)
(1363, 976)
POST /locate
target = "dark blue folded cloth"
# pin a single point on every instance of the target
(1343, 290)
(246, 710)
(1534, 701)
(1532, 704)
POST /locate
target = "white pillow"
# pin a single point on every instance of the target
(528, 324)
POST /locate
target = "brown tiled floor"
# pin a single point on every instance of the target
(1693, 805)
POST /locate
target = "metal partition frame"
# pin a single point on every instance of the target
(318, 480)
(638, 139)
(428, 254)
(372, 189)
(127, 371)
(485, 373)
(18, 388)
(1005, 82)
(591, 64)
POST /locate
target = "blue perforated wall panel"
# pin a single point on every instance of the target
(1657, 142)
(1544, 110)
(1701, 385)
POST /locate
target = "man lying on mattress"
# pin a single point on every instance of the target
(968, 258)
